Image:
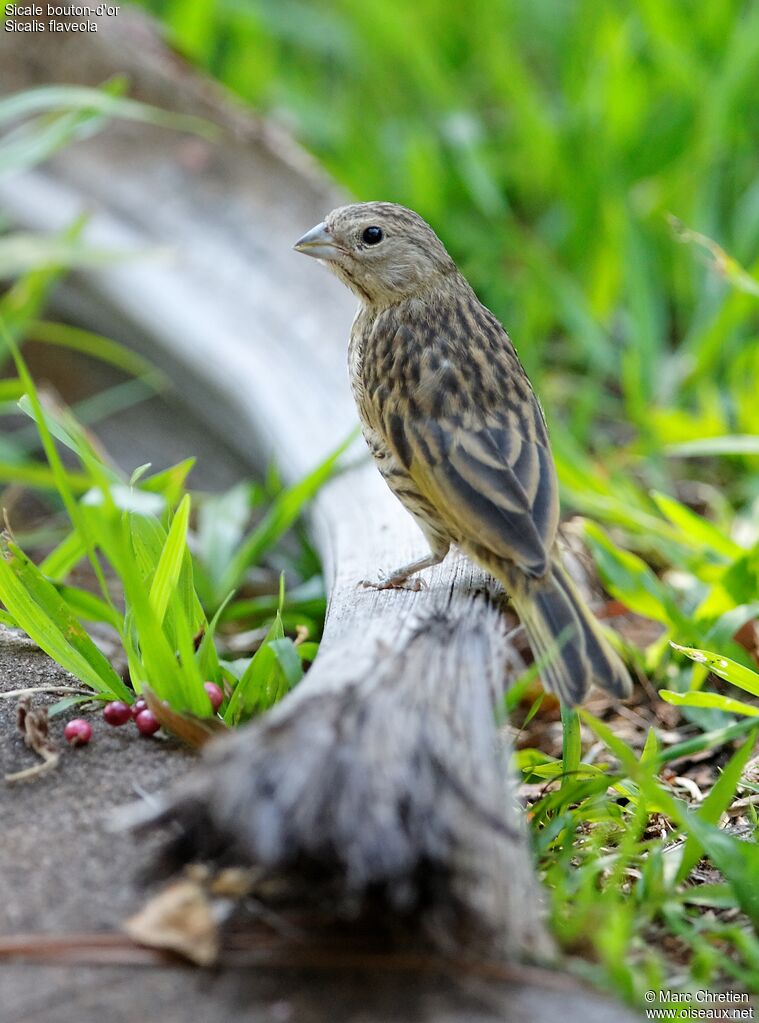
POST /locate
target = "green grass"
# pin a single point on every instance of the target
(134, 532)
(619, 890)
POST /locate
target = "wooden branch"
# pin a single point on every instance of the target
(383, 768)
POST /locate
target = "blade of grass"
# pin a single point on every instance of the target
(254, 687)
(97, 346)
(54, 461)
(289, 661)
(107, 101)
(715, 701)
(571, 744)
(40, 477)
(717, 802)
(207, 655)
(44, 615)
(170, 563)
(727, 669)
(705, 741)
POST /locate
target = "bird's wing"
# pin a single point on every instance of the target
(490, 475)
(480, 454)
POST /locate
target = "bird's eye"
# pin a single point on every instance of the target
(372, 235)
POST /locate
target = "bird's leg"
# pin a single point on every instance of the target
(396, 579)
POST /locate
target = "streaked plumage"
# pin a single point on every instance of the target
(456, 430)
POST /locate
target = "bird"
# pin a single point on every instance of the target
(457, 432)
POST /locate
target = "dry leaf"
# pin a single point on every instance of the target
(32, 722)
(180, 918)
(195, 731)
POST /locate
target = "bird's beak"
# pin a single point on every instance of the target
(318, 242)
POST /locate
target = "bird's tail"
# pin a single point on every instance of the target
(567, 640)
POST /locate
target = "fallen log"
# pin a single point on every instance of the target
(382, 773)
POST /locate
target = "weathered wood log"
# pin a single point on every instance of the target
(383, 769)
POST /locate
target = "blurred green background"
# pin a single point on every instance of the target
(547, 142)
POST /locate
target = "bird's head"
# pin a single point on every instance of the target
(383, 252)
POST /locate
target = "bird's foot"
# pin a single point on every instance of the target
(394, 582)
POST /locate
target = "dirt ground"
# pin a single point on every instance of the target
(60, 865)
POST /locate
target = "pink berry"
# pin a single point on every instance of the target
(147, 723)
(138, 706)
(215, 695)
(117, 713)
(78, 732)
